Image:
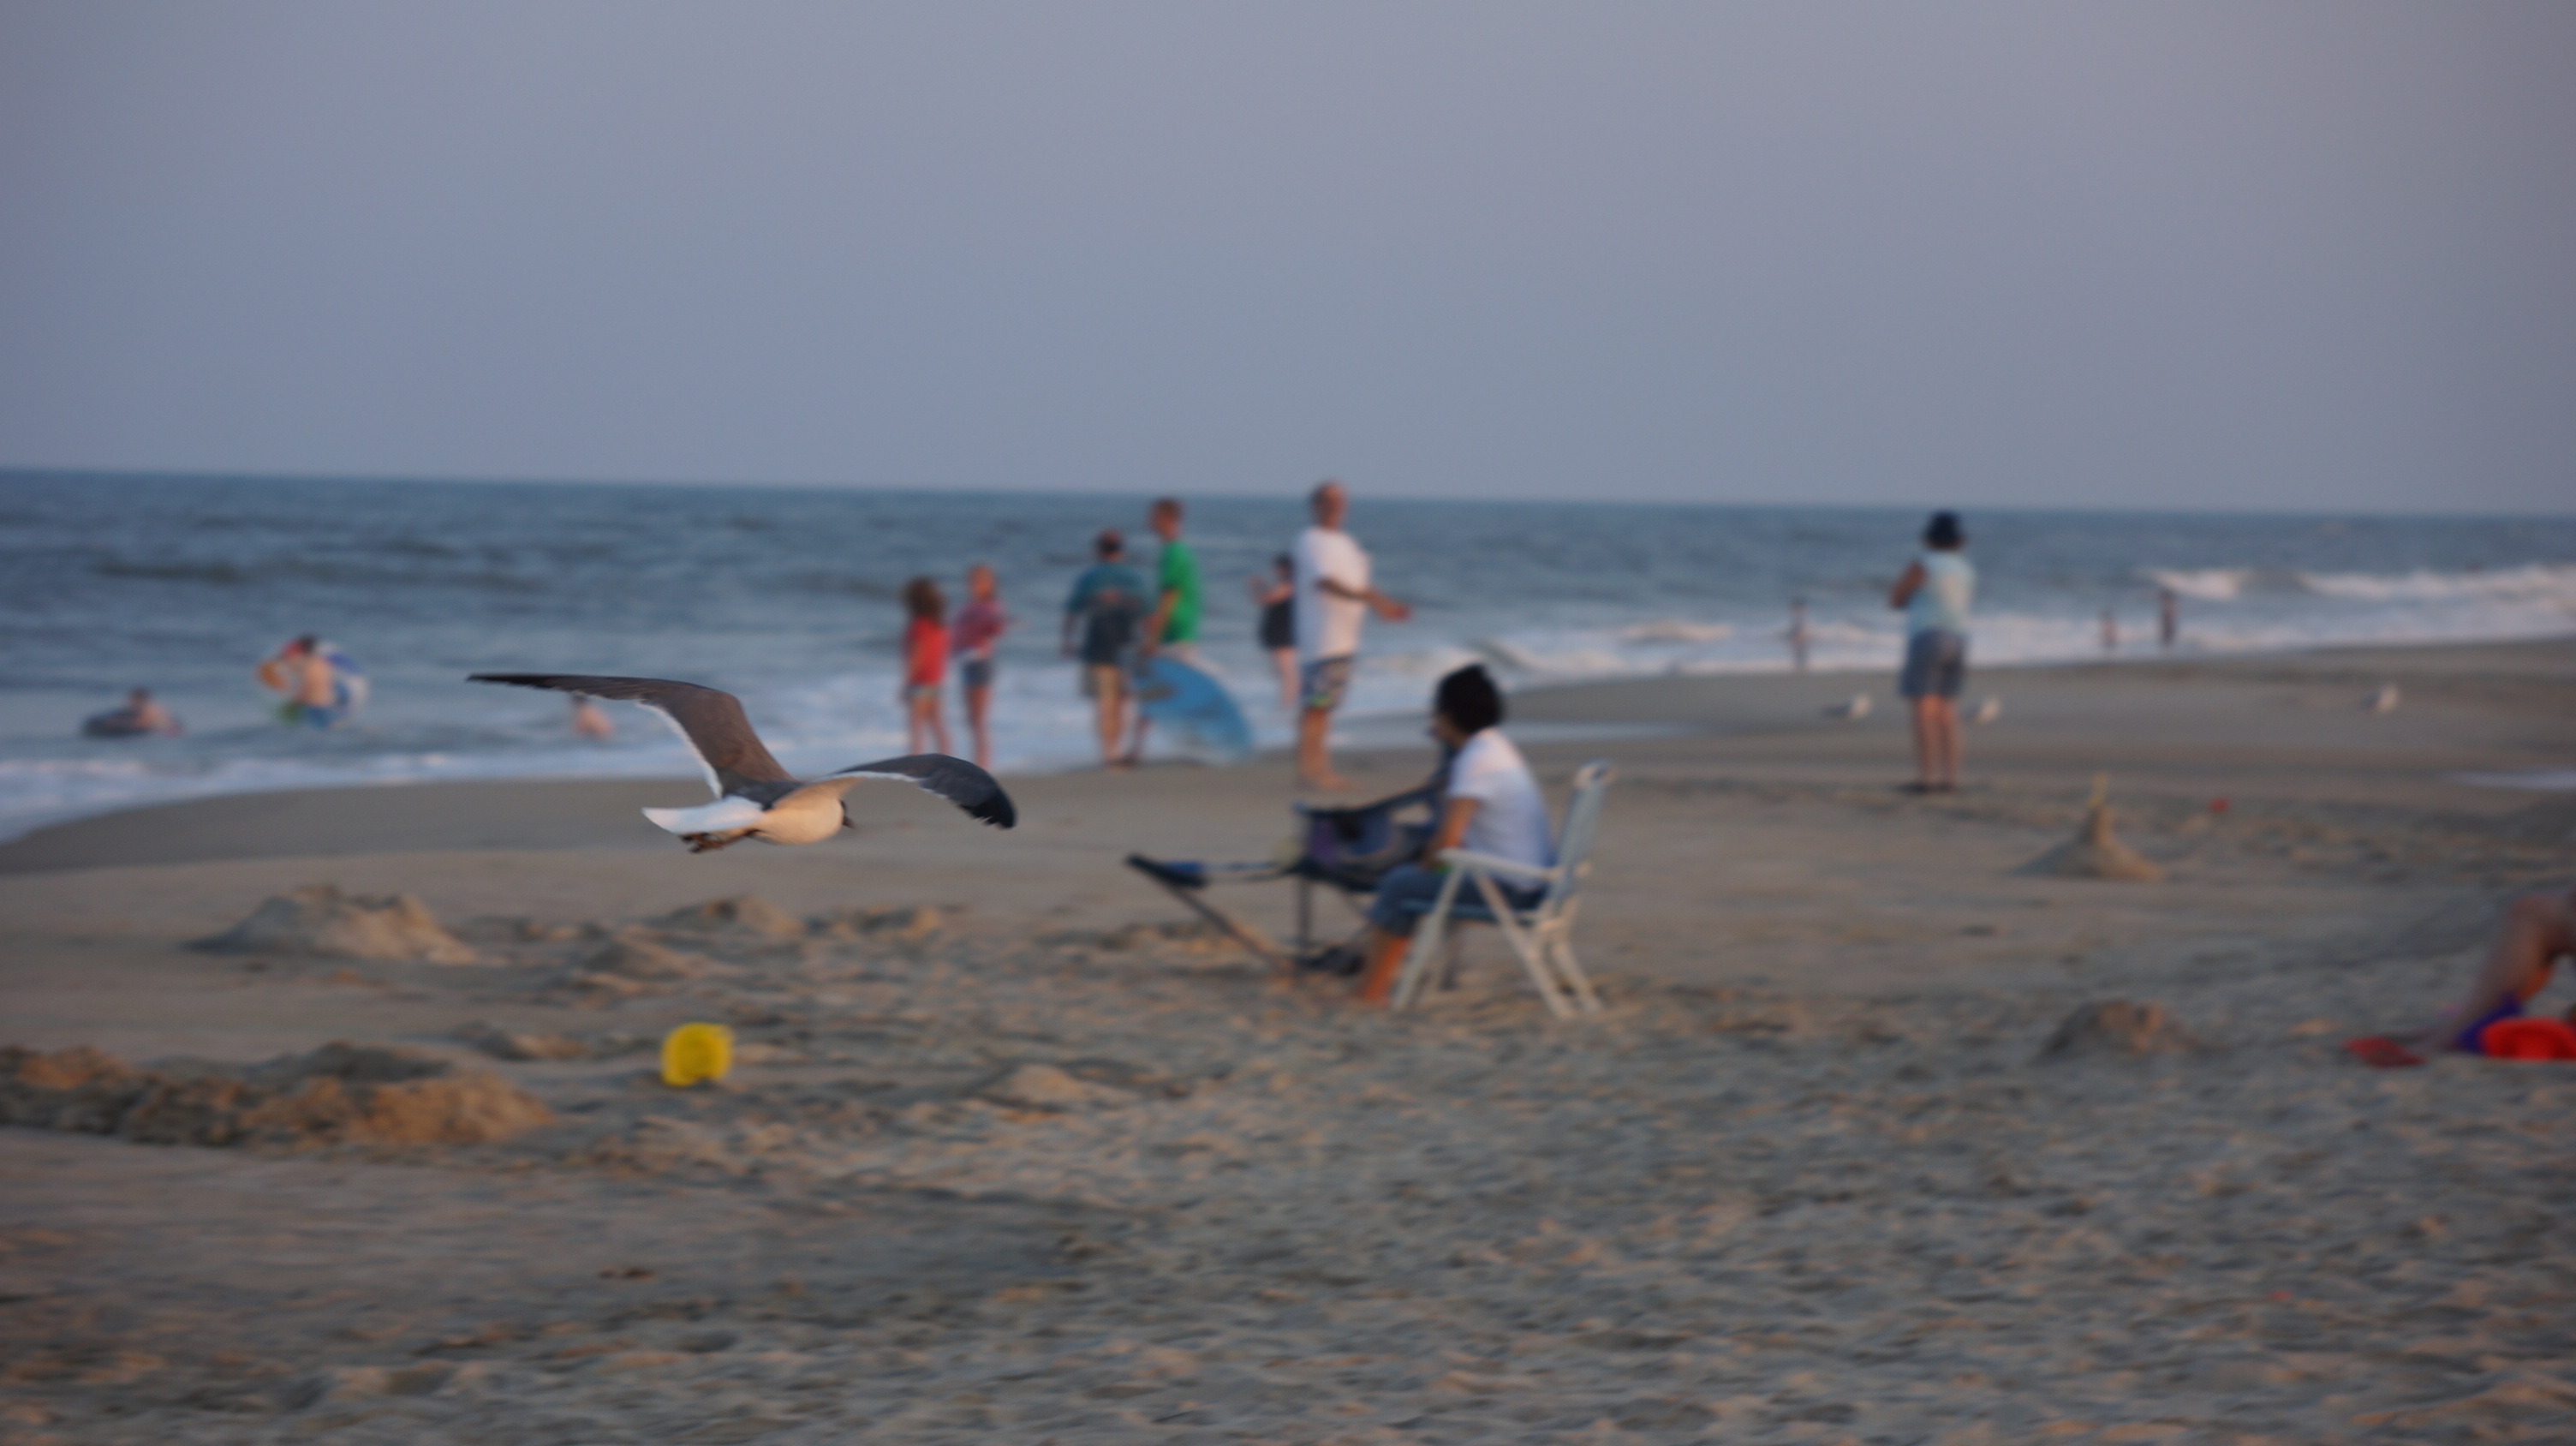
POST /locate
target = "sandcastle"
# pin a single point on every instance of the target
(2094, 853)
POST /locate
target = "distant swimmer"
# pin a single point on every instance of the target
(755, 797)
(141, 717)
(588, 721)
(2168, 618)
(322, 684)
(1799, 633)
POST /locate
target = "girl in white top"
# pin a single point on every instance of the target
(1934, 594)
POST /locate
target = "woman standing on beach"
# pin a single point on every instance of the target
(980, 624)
(1934, 595)
(925, 665)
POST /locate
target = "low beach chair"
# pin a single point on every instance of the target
(1346, 850)
(1542, 934)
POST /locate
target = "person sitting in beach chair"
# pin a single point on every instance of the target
(1493, 807)
(2538, 931)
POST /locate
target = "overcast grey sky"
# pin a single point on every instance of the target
(2301, 256)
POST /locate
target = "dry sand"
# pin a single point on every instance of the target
(1043, 1168)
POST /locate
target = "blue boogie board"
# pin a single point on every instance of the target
(1193, 708)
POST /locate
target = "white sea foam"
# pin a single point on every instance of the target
(2208, 584)
(2536, 583)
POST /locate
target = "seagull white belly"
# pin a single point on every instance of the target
(806, 816)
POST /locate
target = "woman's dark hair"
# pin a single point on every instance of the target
(921, 599)
(1469, 700)
(1943, 531)
(1284, 563)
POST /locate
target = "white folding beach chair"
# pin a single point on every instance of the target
(1542, 934)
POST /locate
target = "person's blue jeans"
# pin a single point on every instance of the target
(1409, 890)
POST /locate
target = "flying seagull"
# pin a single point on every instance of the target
(755, 798)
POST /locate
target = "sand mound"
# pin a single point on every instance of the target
(322, 922)
(2119, 1027)
(1045, 1087)
(2095, 854)
(745, 913)
(511, 1044)
(82, 1090)
(1180, 935)
(913, 922)
(633, 954)
(340, 1092)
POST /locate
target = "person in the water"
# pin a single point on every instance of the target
(316, 695)
(143, 716)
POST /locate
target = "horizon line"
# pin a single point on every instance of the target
(16, 470)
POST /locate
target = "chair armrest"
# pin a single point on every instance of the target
(1492, 863)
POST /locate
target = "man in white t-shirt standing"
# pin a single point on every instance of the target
(1492, 806)
(1333, 598)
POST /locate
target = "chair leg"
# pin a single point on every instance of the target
(1529, 949)
(1426, 943)
(1572, 969)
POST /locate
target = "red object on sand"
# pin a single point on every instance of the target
(2528, 1039)
(2380, 1052)
(2218, 805)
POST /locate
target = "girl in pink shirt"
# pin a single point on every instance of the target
(925, 665)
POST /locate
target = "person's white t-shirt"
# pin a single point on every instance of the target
(1511, 816)
(1329, 626)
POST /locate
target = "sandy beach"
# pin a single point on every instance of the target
(1014, 1151)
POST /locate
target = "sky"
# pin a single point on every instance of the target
(2292, 256)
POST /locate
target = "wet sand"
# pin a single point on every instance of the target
(1048, 1164)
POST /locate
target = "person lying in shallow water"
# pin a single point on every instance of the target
(142, 716)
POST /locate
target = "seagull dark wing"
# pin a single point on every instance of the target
(712, 721)
(954, 779)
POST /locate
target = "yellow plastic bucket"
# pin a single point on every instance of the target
(696, 1054)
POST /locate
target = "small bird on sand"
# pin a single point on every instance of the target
(755, 798)
(2383, 701)
(1988, 711)
(1857, 708)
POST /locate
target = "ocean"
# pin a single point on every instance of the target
(788, 598)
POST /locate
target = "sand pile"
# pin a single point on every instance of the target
(636, 954)
(340, 1092)
(742, 914)
(2094, 853)
(323, 923)
(2122, 1028)
(908, 923)
(1045, 1087)
(534, 1045)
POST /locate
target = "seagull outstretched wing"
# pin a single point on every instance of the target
(954, 779)
(710, 720)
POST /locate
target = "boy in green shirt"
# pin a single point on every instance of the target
(1174, 626)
